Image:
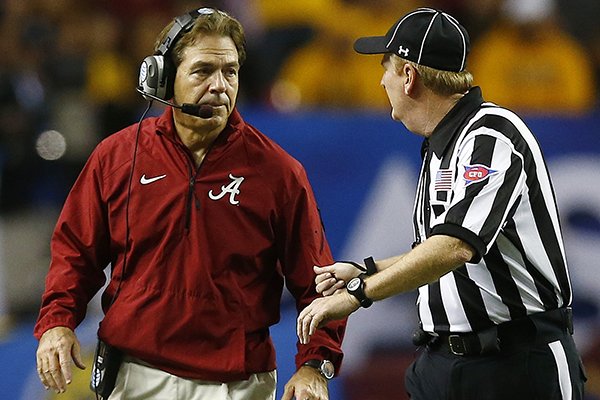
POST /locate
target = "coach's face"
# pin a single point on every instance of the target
(208, 74)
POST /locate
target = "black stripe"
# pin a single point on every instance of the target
(504, 283)
(483, 150)
(426, 199)
(471, 300)
(501, 202)
(543, 286)
(438, 313)
(458, 212)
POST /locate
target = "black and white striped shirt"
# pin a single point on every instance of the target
(485, 181)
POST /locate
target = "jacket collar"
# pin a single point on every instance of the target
(166, 126)
(449, 126)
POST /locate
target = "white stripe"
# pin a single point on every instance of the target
(424, 310)
(452, 305)
(419, 11)
(425, 37)
(418, 210)
(562, 366)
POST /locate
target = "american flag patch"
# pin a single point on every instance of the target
(443, 180)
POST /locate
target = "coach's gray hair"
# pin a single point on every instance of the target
(216, 23)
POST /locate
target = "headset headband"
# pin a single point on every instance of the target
(183, 23)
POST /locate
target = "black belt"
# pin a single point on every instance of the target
(539, 328)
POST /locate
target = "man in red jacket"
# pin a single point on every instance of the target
(201, 218)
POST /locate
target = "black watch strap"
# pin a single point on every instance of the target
(370, 264)
(356, 265)
(325, 367)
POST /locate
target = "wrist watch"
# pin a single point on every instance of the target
(325, 367)
(356, 287)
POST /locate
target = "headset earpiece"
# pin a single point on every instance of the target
(157, 76)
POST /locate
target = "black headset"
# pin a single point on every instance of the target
(157, 72)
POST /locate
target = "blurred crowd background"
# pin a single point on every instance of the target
(68, 72)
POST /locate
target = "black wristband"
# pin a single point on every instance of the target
(370, 264)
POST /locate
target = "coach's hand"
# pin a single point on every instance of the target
(306, 384)
(322, 310)
(58, 349)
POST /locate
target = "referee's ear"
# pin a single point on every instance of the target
(409, 75)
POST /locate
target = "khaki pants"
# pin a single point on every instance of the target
(141, 382)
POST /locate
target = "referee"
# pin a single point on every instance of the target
(488, 259)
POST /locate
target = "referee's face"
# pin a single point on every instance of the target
(393, 83)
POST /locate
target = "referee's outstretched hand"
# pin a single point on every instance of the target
(58, 349)
(331, 278)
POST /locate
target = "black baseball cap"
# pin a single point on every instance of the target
(425, 36)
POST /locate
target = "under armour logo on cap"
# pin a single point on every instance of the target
(425, 36)
(403, 52)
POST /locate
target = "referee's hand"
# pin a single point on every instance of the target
(331, 278)
(58, 349)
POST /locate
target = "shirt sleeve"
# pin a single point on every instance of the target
(302, 245)
(489, 179)
(79, 253)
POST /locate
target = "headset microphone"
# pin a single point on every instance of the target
(197, 110)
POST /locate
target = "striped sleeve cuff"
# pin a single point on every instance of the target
(463, 233)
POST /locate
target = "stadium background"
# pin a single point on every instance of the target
(67, 79)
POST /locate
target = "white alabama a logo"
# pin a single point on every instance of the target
(233, 189)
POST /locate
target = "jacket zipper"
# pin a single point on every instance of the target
(191, 196)
(188, 205)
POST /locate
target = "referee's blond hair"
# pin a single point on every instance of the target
(439, 81)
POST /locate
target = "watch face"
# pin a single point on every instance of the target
(353, 284)
(327, 369)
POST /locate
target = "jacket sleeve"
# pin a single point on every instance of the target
(304, 245)
(79, 253)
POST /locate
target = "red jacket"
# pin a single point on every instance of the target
(209, 249)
